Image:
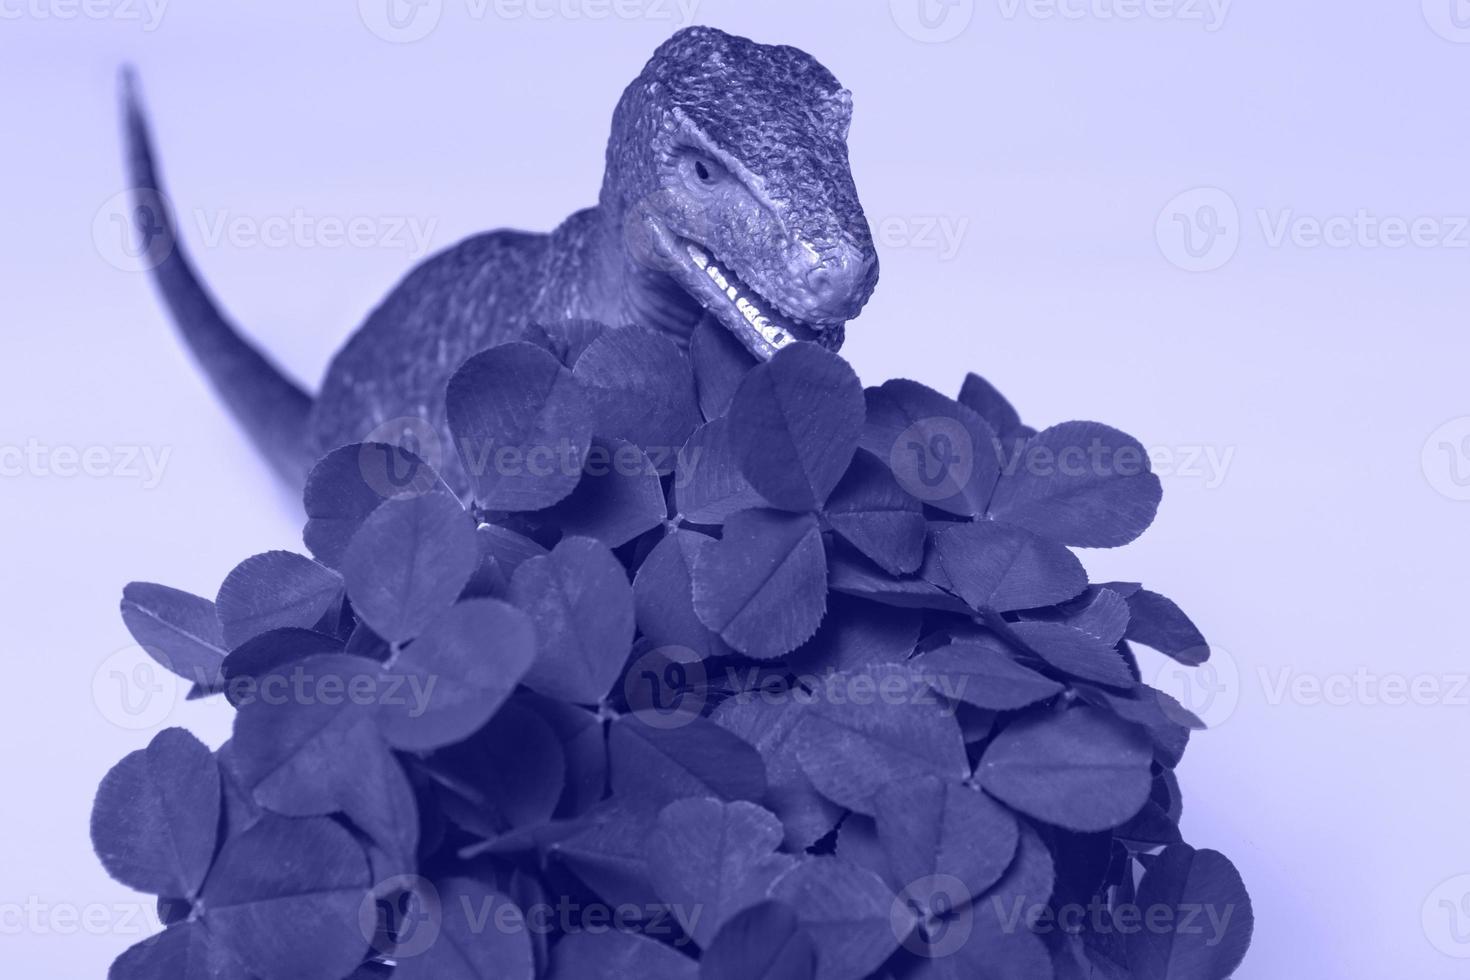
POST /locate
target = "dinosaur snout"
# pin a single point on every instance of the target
(839, 282)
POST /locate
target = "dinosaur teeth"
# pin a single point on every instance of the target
(770, 332)
(774, 335)
(725, 285)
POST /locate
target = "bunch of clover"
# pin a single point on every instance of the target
(673, 665)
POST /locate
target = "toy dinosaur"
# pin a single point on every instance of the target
(727, 192)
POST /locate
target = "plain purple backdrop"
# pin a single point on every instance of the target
(1235, 230)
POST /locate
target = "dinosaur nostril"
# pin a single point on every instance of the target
(836, 278)
(820, 280)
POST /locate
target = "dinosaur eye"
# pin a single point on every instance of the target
(703, 171)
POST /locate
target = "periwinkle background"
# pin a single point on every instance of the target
(1329, 548)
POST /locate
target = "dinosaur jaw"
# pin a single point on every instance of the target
(755, 320)
(750, 316)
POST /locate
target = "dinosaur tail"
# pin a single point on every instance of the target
(271, 408)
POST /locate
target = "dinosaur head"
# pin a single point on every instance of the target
(728, 163)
